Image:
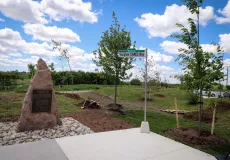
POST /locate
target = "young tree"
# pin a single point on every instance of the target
(201, 69)
(112, 40)
(31, 69)
(53, 72)
(64, 52)
(51, 66)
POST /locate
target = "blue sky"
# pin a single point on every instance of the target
(27, 26)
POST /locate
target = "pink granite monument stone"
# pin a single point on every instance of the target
(40, 106)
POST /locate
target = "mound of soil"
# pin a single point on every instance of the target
(223, 106)
(99, 121)
(101, 99)
(143, 99)
(117, 108)
(159, 95)
(206, 115)
(69, 95)
(90, 104)
(191, 136)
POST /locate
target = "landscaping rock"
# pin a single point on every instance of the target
(42, 80)
(70, 127)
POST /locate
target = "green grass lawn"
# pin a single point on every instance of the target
(11, 104)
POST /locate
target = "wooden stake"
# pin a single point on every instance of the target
(213, 119)
(177, 121)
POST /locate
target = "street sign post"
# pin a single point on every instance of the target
(132, 52)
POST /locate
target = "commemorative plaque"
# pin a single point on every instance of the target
(42, 100)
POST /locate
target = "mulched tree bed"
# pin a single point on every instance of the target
(117, 108)
(206, 116)
(99, 121)
(208, 113)
(159, 95)
(191, 136)
(143, 99)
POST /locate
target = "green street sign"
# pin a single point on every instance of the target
(131, 52)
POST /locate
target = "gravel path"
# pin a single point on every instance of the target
(70, 127)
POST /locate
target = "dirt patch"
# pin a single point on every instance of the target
(223, 106)
(101, 99)
(117, 108)
(159, 95)
(69, 95)
(89, 104)
(9, 119)
(206, 115)
(143, 99)
(99, 121)
(191, 136)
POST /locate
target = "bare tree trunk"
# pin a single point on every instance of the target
(115, 95)
(70, 71)
(200, 112)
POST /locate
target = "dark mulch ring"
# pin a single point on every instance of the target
(99, 121)
(191, 136)
(223, 106)
(206, 115)
(159, 95)
(117, 108)
(143, 99)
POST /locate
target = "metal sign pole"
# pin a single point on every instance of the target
(146, 75)
(145, 124)
(132, 52)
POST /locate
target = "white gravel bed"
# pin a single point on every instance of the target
(69, 127)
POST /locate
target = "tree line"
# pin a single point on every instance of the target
(9, 79)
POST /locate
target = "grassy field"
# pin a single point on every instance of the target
(11, 102)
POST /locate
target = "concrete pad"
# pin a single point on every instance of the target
(126, 144)
(186, 153)
(40, 150)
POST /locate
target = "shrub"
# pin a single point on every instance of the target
(192, 97)
(135, 82)
(228, 87)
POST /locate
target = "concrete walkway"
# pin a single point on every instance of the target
(127, 144)
(81, 91)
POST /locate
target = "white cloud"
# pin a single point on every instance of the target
(224, 42)
(23, 10)
(227, 63)
(21, 61)
(158, 57)
(164, 25)
(165, 72)
(46, 33)
(15, 54)
(11, 42)
(2, 20)
(74, 9)
(209, 48)
(12, 45)
(37, 12)
(225, 12)
(172, 47)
